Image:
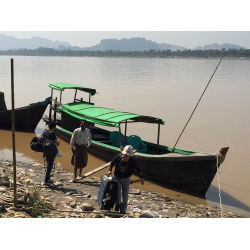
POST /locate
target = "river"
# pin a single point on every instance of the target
(168, 88)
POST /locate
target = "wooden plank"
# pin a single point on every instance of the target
(96, 170)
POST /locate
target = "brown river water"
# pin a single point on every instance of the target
(165, 88)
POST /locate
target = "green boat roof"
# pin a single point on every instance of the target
(104, 116)
(63, 85)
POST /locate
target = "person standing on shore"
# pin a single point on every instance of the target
(50, 134)
(80, 139)
(124, 168)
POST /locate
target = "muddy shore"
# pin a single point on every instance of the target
(78, 200)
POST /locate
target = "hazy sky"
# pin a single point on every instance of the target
(189, 39)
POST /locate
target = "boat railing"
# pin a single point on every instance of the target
(81, 100)
(56, 102)
(54, 105)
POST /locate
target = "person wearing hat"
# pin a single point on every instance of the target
(124, 168)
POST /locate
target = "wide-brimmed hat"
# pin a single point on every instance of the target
(128, 150)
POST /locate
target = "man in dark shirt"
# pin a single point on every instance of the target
(50, 134)
(124, 168)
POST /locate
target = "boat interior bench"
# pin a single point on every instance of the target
(106, 142)
(101, 138)
(98, 137)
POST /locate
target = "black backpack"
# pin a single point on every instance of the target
(49, 147)
(36, 144)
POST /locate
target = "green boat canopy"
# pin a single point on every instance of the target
(63, 85)
(104, 116)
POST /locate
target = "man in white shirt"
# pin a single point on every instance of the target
(80, 139)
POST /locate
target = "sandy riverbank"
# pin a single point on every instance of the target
(78, 200)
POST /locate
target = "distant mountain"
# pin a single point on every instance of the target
(132, 44)
(225, 46)
(10, 42)
(165, 46)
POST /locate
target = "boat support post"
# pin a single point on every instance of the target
(158, 138)
(55, 109)
(120, 135)
(125, 132)
(75, 96)
(50, 104)
(89, 97)
(61, 97)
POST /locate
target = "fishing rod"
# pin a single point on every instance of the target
(196, 105)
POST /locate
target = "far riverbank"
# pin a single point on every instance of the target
(138, 57)
(212, 53)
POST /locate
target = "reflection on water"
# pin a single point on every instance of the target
(227, 199)
(7, 154)
(164, 88)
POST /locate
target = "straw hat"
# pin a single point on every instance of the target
(128, 150)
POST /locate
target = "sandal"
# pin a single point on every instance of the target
(47, 184)
(50, 181)
(72, 181)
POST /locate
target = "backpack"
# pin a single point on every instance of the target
(36, 144)
(49, 147)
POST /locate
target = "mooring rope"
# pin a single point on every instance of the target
(219, 183)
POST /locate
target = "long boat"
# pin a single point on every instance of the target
(189, 170)
(26, 118)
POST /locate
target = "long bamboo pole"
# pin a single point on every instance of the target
(196, 105)
(13, 131)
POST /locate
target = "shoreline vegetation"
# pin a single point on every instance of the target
(231, 53)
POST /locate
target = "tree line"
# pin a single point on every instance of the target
(117, 53)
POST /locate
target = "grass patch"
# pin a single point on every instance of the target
(35, 201)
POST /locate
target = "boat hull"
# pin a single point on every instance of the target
(193, 172)
(26, 118)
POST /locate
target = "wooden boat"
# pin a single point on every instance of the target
(26, 118)
(186, 169)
